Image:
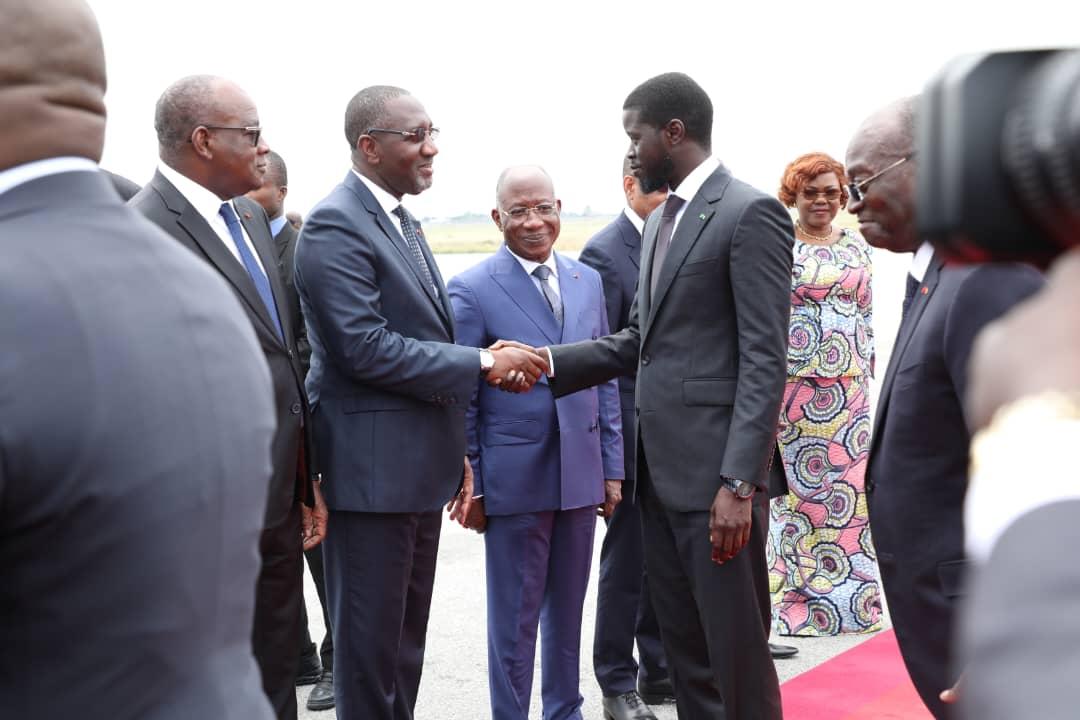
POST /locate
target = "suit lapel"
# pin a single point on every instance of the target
(903, 338)
(632, 239)
(572, 295)
(258, 231)
(195, 225)
(398, 242)
(516, 283)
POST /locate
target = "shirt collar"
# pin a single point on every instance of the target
(690, 185)
(386, 201)
(205, 202)
(634, 219)
(921, 261)
(530, 265)
(277, 223)
(26, 172)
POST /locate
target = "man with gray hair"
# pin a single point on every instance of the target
(137, 421)
(389, 389)
(211, 152)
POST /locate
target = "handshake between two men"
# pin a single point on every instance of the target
(517, 366)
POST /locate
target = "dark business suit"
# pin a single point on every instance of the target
(711, 356)
(276, 632)
(917, 469)
(388, 390)
(540, 464)
(134, 462)
(623, 610)
(285, 252)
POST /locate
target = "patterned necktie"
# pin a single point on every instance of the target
(663, 237)
(910, 289)
(409, 228)
(543, 272)
(262, 284)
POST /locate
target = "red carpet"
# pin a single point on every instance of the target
(867, 682)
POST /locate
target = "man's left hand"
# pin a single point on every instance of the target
(459, 505)
(612, 497)
(313, 519)
(729, 525)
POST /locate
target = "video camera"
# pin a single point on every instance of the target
(998, 142)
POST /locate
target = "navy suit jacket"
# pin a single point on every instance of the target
(134, 465)
(917, 469)
(388, 387)
(532, 453)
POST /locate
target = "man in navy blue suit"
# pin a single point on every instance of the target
(388, 390)
(916, 478)
(542, 466)
(623, 610)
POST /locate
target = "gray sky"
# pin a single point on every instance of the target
(544, 82)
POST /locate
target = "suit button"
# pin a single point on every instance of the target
(295, 408)
(290, 353)
(645, 359)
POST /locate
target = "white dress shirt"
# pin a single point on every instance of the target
(26, 172)
(208, 205)
(277, 223)
(634, 219)
(921, 261)
(530, 265)
(386, 201)
(690, 185)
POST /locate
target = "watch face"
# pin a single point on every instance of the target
(745, 490)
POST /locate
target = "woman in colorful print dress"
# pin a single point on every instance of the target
(823, 570)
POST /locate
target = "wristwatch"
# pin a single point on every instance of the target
(487, 361)
(743, 490)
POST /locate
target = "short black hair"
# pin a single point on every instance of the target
(674, 96)
(275, 168)
(367, 109)
(180, 109)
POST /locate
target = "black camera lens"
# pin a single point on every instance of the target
(1041, 148)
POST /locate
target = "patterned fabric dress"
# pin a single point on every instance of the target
(822, 566)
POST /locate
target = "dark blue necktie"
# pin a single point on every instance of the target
(910, 289)
(252, 266)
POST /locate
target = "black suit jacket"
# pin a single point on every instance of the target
(292, 456)
(710, 348)
(134, 463)
(917, 469)
(285, 249)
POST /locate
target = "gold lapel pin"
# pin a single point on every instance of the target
(701, 216)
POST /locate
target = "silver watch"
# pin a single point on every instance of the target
(487, 361)
(742, 489)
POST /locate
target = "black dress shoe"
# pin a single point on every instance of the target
(310, 669)
(322, 695)
(628, 706)
(782, 651)
(656, 693)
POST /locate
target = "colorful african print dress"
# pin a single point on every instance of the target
(823, 572)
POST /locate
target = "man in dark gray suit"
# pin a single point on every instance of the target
(623, 610)
(211, 153)
(389, 389)
(916, 474)
(137, 421)
(708, 337)
(316, 664)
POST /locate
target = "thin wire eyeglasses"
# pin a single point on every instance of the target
(543, 210)
(254, 131)
(855, 189)
(416, 135)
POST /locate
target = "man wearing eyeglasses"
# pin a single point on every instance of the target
(542, 467)
(916, 475)
(211, 153)
(389, 388)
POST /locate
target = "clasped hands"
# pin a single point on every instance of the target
(517, 366)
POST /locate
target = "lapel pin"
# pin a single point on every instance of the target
(701, 216)
(247, 215)
(925, 290)
(574, 275)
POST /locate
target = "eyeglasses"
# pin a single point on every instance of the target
(855, 189)
(416, 135)
(543, 210)
(254, 131)
(811, 195)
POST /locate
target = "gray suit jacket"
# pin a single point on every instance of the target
(163, 204)
(387, 385)
(134, 460)
(710, 348)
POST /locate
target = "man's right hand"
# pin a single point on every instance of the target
(476, 518)
(729, 525)
(517, 367)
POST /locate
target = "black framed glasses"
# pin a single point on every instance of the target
(811, 195)
(857, 189)
(416, 135)
(543, 211)
(252, 131)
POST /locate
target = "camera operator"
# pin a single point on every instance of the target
(917, 468)
(1005, 126)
